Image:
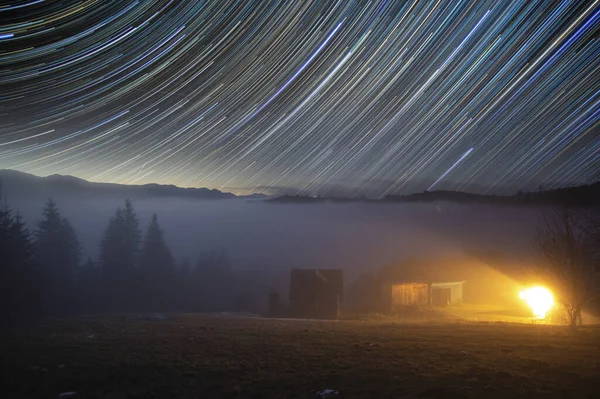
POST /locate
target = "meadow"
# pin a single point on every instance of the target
(227, 356)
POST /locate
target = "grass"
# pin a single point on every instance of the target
(196, 356)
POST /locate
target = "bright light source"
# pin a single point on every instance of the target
(539, 299)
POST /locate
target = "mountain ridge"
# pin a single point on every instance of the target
(18, 184)
(584, 195)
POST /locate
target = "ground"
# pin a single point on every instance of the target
(225, 356)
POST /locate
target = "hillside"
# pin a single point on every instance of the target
(586, 195)
(573, 196)
(17, 184)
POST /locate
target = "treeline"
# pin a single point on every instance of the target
(579, 196)
(43, 273)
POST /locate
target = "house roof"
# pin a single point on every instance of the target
(446, 284)
(437, 284)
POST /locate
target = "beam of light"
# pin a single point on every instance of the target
(466, 154)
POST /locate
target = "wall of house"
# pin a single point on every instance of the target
(409, 294)
(456, 293)
(316, 293)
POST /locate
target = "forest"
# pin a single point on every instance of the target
(43, 273)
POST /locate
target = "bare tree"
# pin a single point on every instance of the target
(591, 227)
(569, 259)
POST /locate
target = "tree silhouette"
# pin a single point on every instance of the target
(570, 260)
(57, 253)
(119, 251)
(18, 282)
(591, 228)
(132, 232)
(157, 267)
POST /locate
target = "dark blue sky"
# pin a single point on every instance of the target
(319, 97)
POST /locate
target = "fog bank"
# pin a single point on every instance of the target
(353, 236)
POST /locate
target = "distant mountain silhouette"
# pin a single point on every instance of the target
(585, 195)
(15, 184)
(572, 196)
(304, 199)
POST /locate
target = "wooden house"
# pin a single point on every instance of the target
(417, 293)
(316, 293)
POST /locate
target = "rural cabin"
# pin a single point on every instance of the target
(316, 293)
(400, 294)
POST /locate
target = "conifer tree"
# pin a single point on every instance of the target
(18, 282)
(119, 251)
(157, 267)
(57, 254)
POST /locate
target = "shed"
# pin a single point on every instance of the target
(402, 294)
(406, 293)
(316, 293)
(447, 293)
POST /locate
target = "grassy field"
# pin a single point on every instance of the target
(195, 356)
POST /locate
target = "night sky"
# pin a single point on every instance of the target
(325, 97)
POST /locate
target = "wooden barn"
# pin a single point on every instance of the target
(400, 294)
(316, 293)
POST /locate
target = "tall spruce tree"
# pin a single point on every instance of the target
(18, 280)
(156, 257)
(57, 253)
(133, 234)
(119, 251)
(157, 268)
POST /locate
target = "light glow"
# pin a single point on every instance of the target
(539, 299)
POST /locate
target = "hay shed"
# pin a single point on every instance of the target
(316, 293)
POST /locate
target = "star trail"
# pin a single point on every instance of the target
(344, 98)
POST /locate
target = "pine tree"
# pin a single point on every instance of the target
(18, 282)
(133, 234)
(157, 267)
(111, 248)
(119, 251)
(57, 253)
(16, 248)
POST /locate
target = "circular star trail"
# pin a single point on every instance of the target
(325, 97)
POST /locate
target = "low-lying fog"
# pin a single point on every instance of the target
(353, 236)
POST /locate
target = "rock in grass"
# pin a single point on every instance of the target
(326, 393)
